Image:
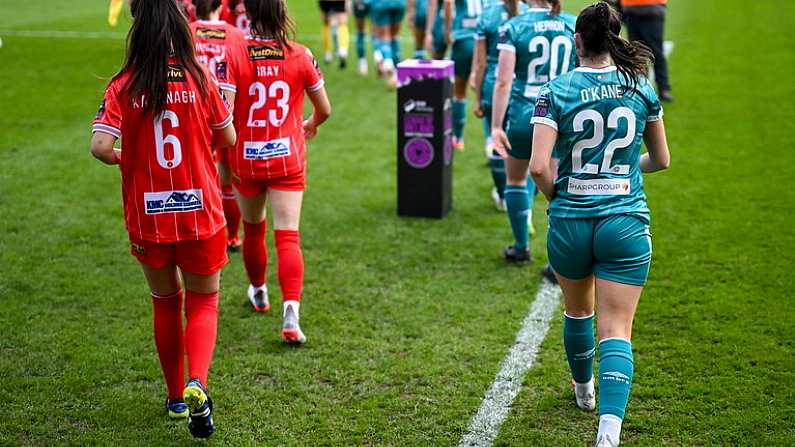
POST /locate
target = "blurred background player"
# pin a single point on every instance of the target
(168, 114)
(114, 11)
(460, 19)
(188, 8)
(645, 20)
(269, 161)
(435, 40)
(335, 30)
(535, 47)
(361, 12)
(599, 244)
(417, 14)
(235, 14)
(387, 15)
(214, 39)
(483, 77)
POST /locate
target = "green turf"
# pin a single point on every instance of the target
(408, 319)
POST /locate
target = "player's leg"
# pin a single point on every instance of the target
(360, 13)
(325, 33)
(396, 20)
(438, 39)
(569, 248)
(420, 22)
(517, 204)
(622, 248)
(252, 201)
(231, 209)
(286, 207)
(496, 163)
(166, 291)
(343, 36)
(462, 56)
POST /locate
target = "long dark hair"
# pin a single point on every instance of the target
(599, 26)
(205, 7)
(269, 18)
(159, 31)
(513, 7)
(555, 7)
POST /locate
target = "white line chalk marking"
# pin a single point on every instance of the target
(485, 425)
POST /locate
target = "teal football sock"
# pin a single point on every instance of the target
(531, 190)
(419, 53)
(386, 50)
(360, 44)
(578, 339)
(395, 46)
(459, 117)
(518, 204)
(497, 167)
(616, 368)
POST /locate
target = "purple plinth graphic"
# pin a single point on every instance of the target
(414, 69)
(418, 153)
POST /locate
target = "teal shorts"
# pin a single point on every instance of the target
(519, 130)
(421, 14)
(462, 56)
(437, 37)
(615, 248)
(387, 16)
(361, 9)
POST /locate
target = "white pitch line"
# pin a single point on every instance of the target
(485, 425)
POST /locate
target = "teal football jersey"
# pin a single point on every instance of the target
(388, 4)
(544, 47)
(465, 20)
(488, 29)
(600, 130)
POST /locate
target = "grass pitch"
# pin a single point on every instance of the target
(408, 320)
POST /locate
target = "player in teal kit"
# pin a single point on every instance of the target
(435, 41)
(417, 12)
(387, 16)
(483, 77)
(534, 47)
(361, 11)
(589, 126)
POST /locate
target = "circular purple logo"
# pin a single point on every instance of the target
(448, 150)
(418, 153)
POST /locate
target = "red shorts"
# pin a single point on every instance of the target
(249, 187)
(203, 257)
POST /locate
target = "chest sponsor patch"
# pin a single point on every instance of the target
(265, 53)
(173, 201)
(175, 73)
(265, 150)
(209, 33)
(599, 187)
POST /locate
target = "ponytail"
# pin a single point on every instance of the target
(555, 7)
(205, 7)
(599, 26)
(159, 31)
(513, 7)
(269, 19)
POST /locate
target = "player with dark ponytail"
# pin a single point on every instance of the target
(599, 243)
(170, 115)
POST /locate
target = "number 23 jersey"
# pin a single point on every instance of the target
(600, 128)
(169, 181)
(271, 80)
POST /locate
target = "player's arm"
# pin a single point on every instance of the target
(102, 148)
(224, 137)
(229, 99)
(499, 101)
(430, 15)
(541, 164)
(320, 113)
(449, 11)
(411, 10)
(478, 73)
(658, 157)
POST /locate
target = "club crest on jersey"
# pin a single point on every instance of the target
(173, 201)
(265, 53)
(175, 73)
(265, 150)
(542, 107)
(209, 33)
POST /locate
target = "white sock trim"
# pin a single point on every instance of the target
(579, 318)
(296, 305)
(614, 338)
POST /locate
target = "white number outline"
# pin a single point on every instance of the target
(549, 53)
(160, 142)
(263, 93)
(598, 137)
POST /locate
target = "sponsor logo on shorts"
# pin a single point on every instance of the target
(175, 73)
(209, 33)
(599, 187)
(265, 52)
(173, 201)
(264, 150)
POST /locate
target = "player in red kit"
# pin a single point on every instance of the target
(235, 14)
(214, 40)
(269, 162)
(168, 113)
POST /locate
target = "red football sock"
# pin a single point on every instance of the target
(167, 325)
(231, 212)
(291, 264)
(201, 310)
(255, 254)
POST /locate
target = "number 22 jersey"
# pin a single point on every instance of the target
(270, 80)
(169, 180)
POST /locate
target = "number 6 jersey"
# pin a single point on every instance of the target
(169, 181)
(271, 80)
(600, 128)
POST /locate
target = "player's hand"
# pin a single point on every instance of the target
(500, 141)
(448, 37)
(429, 43)
(117, 153)
(476, 109)
(310, 129)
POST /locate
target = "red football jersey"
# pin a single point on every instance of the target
(236, 15)
(271, 81)
(169, 181)
(214, 40)
(188, 8)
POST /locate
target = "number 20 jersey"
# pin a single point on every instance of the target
(600, 128)
(169, 181)
(271, 80)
